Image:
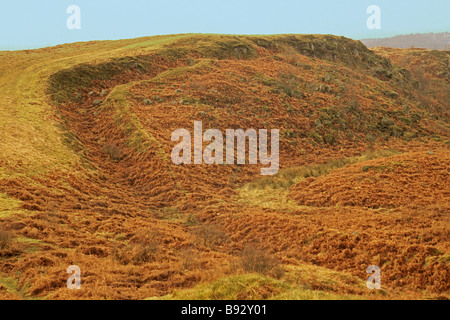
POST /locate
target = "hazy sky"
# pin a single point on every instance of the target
(35, 23)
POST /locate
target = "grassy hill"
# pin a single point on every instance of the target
(86, 176)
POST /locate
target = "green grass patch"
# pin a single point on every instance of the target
(12, 287)
(272, 191)
(137, 137)
(259, 287)
(289, 176)
(9, 206)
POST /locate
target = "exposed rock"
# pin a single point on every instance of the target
(386, 122)
(370, 137)
(329, 138)
(325, 89)
(314, 86)
(408, 135)
(391, 94)
(190, 62)
(148, 102)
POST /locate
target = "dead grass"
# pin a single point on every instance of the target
(289, 176)
(140, 249)
(136, 253)
(383, 182)
(273, 191)
(296, 285)
(113, 151)
(256, 259)
(109, 214)
(209, 235)
(6, 238)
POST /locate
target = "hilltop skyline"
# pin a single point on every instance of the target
(25, 25)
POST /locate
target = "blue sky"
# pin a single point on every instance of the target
(27, 24)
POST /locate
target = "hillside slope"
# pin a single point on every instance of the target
(86, 176)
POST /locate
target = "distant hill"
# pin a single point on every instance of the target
(433, 41)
